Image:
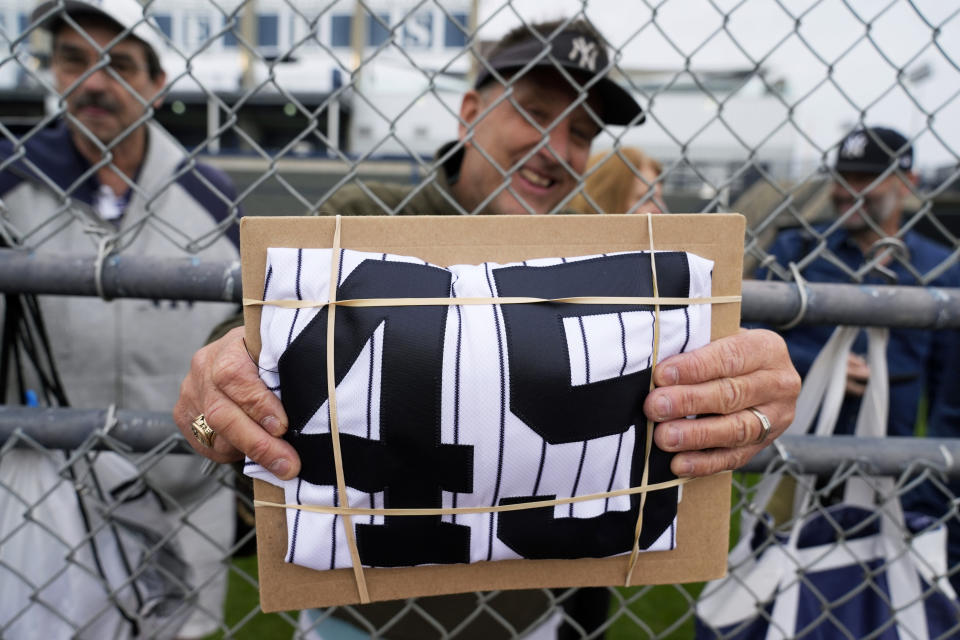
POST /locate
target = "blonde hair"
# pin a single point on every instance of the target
(609, 184)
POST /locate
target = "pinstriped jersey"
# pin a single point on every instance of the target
(475, 405)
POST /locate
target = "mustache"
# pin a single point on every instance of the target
(96, 99)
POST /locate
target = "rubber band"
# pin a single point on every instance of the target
(109, 421)
(891, 246)
(802, 289)
(947, 456)
(104, 248)
(254, 360)
(429, 302)
(520, 506)
(782, 451)
(635, 551)
(358, 574)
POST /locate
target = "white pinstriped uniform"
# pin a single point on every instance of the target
(510, 459)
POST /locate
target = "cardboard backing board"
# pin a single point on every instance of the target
(704, 511)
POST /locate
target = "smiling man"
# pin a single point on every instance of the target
(525, 133)
(507, 142)
(525, 130)
(536, 130)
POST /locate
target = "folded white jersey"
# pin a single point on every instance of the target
(475, 405)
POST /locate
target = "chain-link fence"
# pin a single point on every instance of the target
(124, 168)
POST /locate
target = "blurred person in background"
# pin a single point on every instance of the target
(104, 179)
(524, 142)
(873, 176)
(622, 180)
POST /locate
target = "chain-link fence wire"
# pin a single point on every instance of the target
(778, 177)
(668, 611)
(297, 101)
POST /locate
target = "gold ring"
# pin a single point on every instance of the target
(764, 422)
(202, 431)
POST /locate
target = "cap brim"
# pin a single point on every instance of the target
(617, 105)
(864, 167)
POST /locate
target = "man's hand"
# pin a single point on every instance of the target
(857, 375)
(248, 419)
(721, 382)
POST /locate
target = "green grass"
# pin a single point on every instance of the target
(242, 615)
(663, 611)
(666, 611)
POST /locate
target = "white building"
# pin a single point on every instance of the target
(303, 85)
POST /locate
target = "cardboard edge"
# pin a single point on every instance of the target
(285, 586)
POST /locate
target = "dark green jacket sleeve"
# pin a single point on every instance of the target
(378, 199)
(221, 329)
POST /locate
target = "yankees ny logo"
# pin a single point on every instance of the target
(854, 147)
(587, 51)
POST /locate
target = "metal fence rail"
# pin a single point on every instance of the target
(273, 107)
(143, 431)
(772, 303)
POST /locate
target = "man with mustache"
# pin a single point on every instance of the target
(524, 139)
(104, 178)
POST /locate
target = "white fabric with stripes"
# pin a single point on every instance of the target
(321, 542)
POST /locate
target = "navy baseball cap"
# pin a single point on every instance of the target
(873, 150)
(578, 52)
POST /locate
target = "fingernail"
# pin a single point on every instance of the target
(685, 468)
(662, 407)
(272, 425)
(674, 437)
(670, 374)
(280, 467)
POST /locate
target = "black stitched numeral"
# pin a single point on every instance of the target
(540, 395)
(543, 398)
(409, 413)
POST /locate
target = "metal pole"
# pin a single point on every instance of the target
(71, 428)
(358, 38)
(123, 276)
(213, 125)
(358, 43)
(773, 303)
(879, 456)
(472, 22)
(777, 303)
(248, 29)
(145, 430)
(333, 127)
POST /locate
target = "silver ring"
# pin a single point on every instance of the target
(764, 422)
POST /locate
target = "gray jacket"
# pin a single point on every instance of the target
(128, 352)
(132, 353)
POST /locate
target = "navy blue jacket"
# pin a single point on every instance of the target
(921, 362)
